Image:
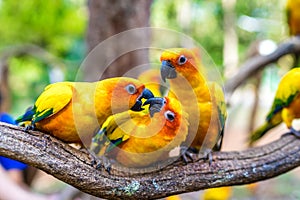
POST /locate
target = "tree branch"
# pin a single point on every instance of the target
(73, 166)
(251, 66)
(32, 50)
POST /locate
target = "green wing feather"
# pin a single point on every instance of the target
(53, 99)
(218, 99)
(111, 133)
(288, 89)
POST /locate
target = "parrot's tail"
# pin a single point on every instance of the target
(27, 116)
(260, 132)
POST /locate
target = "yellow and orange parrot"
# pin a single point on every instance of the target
(139, 139)
(286, 105)
(293, 16)
(74, 111)
(202, 100)
(293, 20)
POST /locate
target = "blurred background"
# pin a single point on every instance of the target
(46, 41)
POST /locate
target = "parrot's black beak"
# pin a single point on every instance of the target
(146, 94)
(156, 104)
(167, 70)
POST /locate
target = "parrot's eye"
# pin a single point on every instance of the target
(170, 115)
(182, 59)
(131, 89)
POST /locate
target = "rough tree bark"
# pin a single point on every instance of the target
(108, 18)
(4, 88)
(74, 167)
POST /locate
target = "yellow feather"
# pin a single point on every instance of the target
(293, 16)
(80, 108)
(202, 100)
(145, 140)
(55, 96)
(285, 106)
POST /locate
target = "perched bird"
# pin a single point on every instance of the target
(285, 107)
(293, 20)
(202, 100)
(139, 139)
(74, 111)
(293, 16)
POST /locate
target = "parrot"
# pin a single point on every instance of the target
(139, 139)
(74, 111)
(293, 16)
(204, 101)
(285, 107)
(293, 20)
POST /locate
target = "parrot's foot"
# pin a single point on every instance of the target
(82, 148)
(102, 161)
(207, 155)
(29, 127)
(294, 132)
(187, 153)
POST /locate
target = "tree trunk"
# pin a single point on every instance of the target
(108, 18)
(4, 87)
(230, 50)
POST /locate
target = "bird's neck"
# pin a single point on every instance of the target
(195, 83)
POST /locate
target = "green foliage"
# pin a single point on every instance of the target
(58, 26)
(201, 20)
(53, 25)
(204, 22)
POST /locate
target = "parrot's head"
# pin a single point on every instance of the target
(177, 60)
(169, 110)
(127, 93)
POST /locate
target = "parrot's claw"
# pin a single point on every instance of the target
(99, 162)
(187, 153)
(29, 127)
(293, 132)
(207, 155)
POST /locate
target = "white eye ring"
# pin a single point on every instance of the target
(181, 60)
(130, 89)
(169, 115)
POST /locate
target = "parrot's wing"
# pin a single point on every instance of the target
(288, 89)
(54, 98)
(111, 133)
(218, 100)
(280, 103)
(27, 116)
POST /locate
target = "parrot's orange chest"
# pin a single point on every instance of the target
(294, 107)
(61, 125)
(74, 125)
